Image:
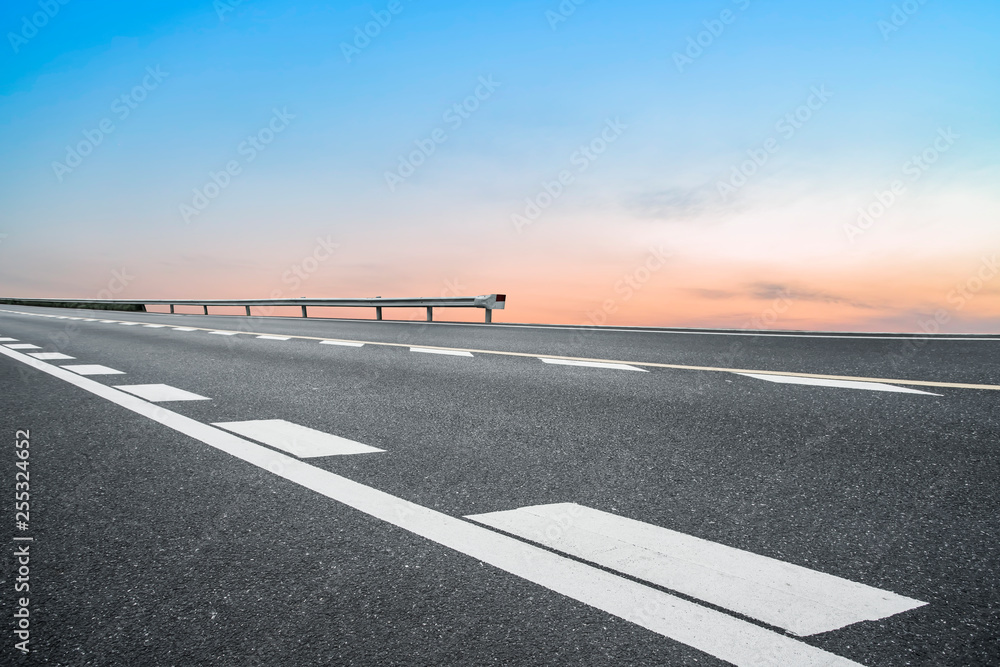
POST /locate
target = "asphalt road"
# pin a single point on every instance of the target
(154, 545)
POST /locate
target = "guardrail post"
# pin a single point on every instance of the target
(248, 311)
(206, 309)
(171, 309)
(378, 312)
(304, 312)
(489, 316)
(430, 314)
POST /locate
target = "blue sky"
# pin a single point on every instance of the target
(557, 85)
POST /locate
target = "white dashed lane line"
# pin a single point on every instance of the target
(22, 346)
(788, 377)
(92, 369)
(430, 350)
(160, 392)
(129, 324)
(841, 384)
(792, 597)
(8, 340)
(50, 356)
(154, 326)
(300, 441)
(593, 364)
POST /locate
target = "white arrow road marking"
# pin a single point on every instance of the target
(49, 356)
(593, 364)
(714, 632)
(781, 594)
(160, 392)
(842, 384)
(430, 350)
(92, 369)
(295, 439)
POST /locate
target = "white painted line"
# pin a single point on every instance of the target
(49, 356)
(160, 392)
(109, 321)
(92, 369)
(274, 337)
(184, 329)
(728, 638)
(128, 324)
(22, 346)
(6, 340)
(341, 342)
(300, 441)
(224, 333)
(800, 600)
(154, 326)
(89, 319)
(593, 364)
(842, 384)
(452, 353)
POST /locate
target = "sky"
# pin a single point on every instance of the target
(732, 163)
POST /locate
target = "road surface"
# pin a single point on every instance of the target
(213, 490)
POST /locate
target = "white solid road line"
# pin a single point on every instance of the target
(784, 595)
(344, 343)
(593, 364)
(92, 369)
(49, 356)
(842, 384)
(452, 353)
(22, 346)
(160, 392)
(273, 337)
(714, 632)
(300, 441)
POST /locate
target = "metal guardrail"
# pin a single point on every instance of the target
(489, 302)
